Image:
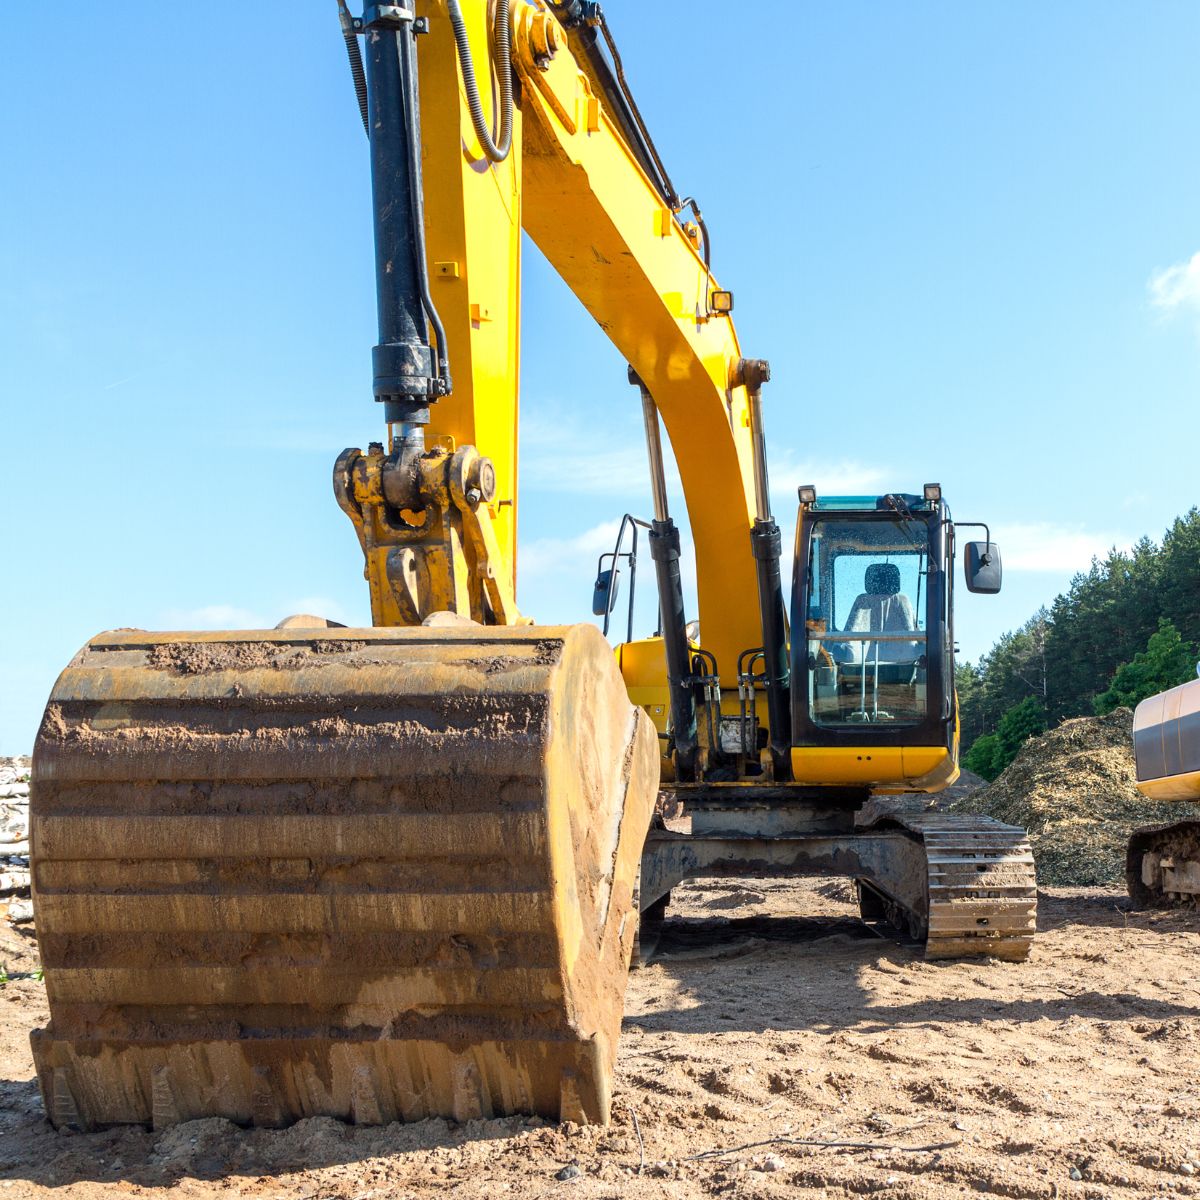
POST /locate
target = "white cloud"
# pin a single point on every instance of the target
(845, 477)
(1041, 546)
(329, 440)
(1177, 287)
(214, 616)
(564, 457)
(233, 616)
(321, 606)
(569, 555)
(555, 575)
(567, 458)
(1034, 546)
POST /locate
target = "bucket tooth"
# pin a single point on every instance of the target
(365, 1108)
(516, 1093)
(164, 1109)
(64, 1111)
(363, 873)
(570, 1104)
(469, 1104)
(264, 1101)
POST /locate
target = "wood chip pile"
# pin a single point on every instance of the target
(1073, 789)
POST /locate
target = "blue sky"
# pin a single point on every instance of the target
(966, 236)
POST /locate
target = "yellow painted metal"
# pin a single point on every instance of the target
(643, 666)
(445, 557)
(929, 768)
(1172, 787)
(473, 224)
(919, 768)
(439, 554)
(591, 210)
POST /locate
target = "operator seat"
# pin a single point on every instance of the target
(882, 608)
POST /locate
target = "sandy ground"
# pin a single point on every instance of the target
(773, 1016)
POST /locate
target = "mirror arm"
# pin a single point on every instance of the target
(986, 557)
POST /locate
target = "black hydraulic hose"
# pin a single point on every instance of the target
(666, 186)
(765, 544)
(496, 148)
(412, 114)
(664, 550)
(354, 54)
(689, 201)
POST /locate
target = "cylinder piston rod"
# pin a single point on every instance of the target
(664, 550)
(765, 543)
(409, 371)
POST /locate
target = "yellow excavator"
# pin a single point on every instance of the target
(1163, 861)
(389, 873)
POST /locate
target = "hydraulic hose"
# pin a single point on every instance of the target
(496, 148)
(356, 63)
(412, 117)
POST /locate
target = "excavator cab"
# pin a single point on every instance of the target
(872, 634)
(872, 645)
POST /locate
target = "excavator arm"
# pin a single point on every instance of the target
(382, 873)
(571, 179)
(572, 163)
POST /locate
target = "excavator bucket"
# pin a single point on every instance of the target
(374, 874)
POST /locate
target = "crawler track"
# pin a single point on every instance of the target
(981, 887)
(1162, 866)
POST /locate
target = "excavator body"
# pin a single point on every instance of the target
(1163, 861)
(398, 872)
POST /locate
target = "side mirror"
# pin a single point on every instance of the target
(604, 601)
(982, 567)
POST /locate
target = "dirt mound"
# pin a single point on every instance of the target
(1073, 789)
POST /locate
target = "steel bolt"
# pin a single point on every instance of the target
(543, 38)
(482, 478)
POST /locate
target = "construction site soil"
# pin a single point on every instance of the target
(777, 1047)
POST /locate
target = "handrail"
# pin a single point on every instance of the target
(913, 635)
(632, 522)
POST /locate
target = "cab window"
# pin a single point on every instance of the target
(866, 622)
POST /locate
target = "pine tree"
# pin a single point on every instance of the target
(981, 758)
(1017, 726)
(1166, 662)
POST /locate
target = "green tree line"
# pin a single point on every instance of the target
(1123, 630)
